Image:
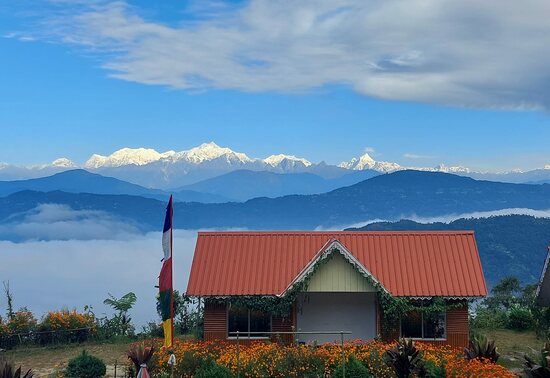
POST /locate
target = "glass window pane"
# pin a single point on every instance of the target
(434, 326)
(260, 322)
(237, 320)
(411, 325)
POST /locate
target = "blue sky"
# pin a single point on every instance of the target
(266, 77)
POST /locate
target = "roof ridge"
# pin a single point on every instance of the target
(329, 233)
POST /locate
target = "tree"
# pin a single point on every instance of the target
(9, 298)
(505, 294)
(122, 305)
(186, 313)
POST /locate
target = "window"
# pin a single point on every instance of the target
(418, 325)
(249, 323)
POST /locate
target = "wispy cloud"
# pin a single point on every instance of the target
(491, 54)
(60, 222)
(446, 218)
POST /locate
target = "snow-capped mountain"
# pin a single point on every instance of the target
(21, 172)
(445, 169)
(127, 156)
(63, 163)
(171, 169)
(143, 156)
(275, 160)
(211, 151)
(367, 162)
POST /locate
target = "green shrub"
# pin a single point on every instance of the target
(297, 360)
(489, 319)
(520, 319)
(213, 370)
(354, 369)
(85, 366)
(428, 369)
(190, 363)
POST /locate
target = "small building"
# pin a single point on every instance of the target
(542, 296)
(337, 281)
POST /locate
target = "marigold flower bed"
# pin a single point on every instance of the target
(264, 359)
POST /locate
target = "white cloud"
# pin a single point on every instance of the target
(60, 222)
(50, 275)
(446, 218)
(491, 54)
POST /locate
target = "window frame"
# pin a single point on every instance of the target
(444, 338)
(246, 335)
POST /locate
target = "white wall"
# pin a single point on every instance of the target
(355, 312)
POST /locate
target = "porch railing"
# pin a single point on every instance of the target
(247, 336)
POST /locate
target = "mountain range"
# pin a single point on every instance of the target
(171, 169)
(395, 196)
(81, 181)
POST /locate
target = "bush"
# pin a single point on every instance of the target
(191, 362)
(152, 330)
(85, 366)
(301, 361)
(428, 369)
(489, 319)
(213, 370)
(66, 326)
(520, 319)
(354, 369)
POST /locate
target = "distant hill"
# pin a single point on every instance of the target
(508, 245)
(243, 185)
(392, 196)
(82, 181)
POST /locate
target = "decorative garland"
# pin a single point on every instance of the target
(393, 308)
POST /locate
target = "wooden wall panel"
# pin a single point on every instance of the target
(215, 321)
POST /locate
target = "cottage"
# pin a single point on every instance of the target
(332, 281)
(542, 296)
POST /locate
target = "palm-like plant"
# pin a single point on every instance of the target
(140, 354)
(481, 348)
(404, 358)
(539, 368)
(122, 305)
(125, 303)
(6, 371)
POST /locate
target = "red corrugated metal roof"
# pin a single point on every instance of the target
(414, 264)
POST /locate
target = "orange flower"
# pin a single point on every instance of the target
(270, 359)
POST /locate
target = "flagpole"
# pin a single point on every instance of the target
(171, 272)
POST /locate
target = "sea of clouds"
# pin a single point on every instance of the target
(55, 257)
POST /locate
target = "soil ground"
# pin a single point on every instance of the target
(44, 361)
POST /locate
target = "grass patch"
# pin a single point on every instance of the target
(513, 345)
(45, 360)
